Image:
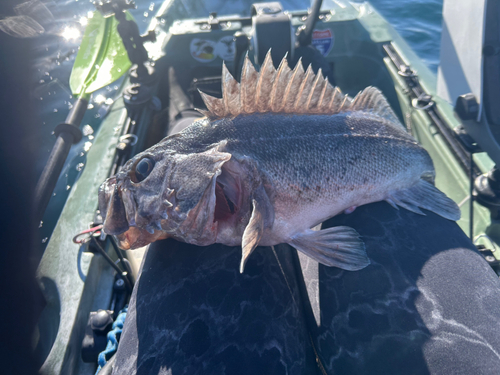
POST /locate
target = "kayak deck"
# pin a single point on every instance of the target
(76, 283)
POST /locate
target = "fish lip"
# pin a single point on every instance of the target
(122, 241)
(135, 238)
(115, 221)
(104, 195)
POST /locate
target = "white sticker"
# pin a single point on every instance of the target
(203, 50)
(225, 48)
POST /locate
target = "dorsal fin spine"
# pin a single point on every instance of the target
(303, 93)
(265, 84)
(214, 105)
(248, 83)
(279, 85)
(230, 92)
(328, 93)
(315, 95)
(292, 86)
(335, 101)
(346, 104)
(323, 93)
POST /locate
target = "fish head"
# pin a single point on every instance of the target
(163, 193)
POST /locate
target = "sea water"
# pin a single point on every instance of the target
(418, 21)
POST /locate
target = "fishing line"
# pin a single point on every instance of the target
(284, 276)
(463, 201)
(318, 359)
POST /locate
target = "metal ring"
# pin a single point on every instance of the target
(414, 104)
(125, 137)
(71, 129)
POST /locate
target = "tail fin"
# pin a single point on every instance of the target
(425, 195)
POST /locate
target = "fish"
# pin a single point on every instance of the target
(281, 152)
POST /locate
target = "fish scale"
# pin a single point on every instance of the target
(286, 152)
(275, 156)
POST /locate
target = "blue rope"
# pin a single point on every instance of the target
(113, 338)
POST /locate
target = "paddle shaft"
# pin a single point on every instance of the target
(67, 134)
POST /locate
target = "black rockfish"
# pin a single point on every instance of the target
(280, 153)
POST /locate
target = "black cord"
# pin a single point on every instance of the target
(100, 249)
(471, 203)
(123, 261)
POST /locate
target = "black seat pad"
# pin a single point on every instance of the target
(428, 303)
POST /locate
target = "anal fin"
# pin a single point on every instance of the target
(425, 195)
(336, 247)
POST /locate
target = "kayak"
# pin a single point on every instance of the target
(355, 48)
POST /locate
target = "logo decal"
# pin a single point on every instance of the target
(323, 40)
(225, 48)
(203, 50)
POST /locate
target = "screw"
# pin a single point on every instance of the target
(100, 320)
(490, 258)
(120, 283)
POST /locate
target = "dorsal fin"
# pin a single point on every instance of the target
(287, 91)
(372, 100)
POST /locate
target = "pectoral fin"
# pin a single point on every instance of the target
(262, 218)
(338, 247)
(252, 234)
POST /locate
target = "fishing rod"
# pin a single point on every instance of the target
(101, 60)
(305, 32)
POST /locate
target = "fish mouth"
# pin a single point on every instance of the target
(114, 204)
(112, 207)
(116, 218)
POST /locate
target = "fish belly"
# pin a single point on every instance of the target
(293, 219)
(324, 190)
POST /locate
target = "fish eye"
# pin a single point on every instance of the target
(142, 169)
